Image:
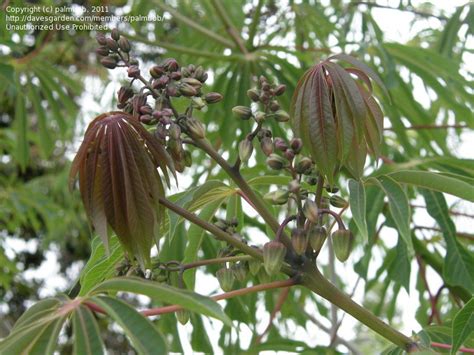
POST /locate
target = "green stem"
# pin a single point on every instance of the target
(246, 189)
(254, 24)
(315, 281)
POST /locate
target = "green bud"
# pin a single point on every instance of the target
(299, 241)
(277, 197)
(187, 90)
(253, 95)
(124, 44)
(267, 145)
(282, 116)
(342, 241)
(198, 103)
(240, 271)
(109, 62)
(225, 277)
(304, 165)
(174, 131)
(195, 128)
(276, 162)
(193, 82)
(338, 201)
(183, 316)
(273, 255)
(213, 97)
(317, 236)
(263, 277)
(254, 266)
(310, 210)
(245, 150)
(242, 112)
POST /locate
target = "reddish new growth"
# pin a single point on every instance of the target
(119, 181)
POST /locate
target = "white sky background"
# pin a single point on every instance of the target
(396, 26)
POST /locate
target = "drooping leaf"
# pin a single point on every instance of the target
(145, 338)
(358, 206)
(463, 325)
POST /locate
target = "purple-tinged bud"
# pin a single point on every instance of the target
(157, 114)
(242, 112)
(276, 162)
(266, 87)
(225, 277)
(213, 97)
(170, 64)
(101, 39)
(156, 71)
(304, 165)
(274, 106)
(146, 110)
(175, 75)
(280, 144)
(267, 145)
(115, 34)
(245, 150)
(147, 119)
(193, 82)
(109, 62)
(172, 90)
(280, 90)
(124, 94)
(253, 95)
(174, 131)
(203, 78)
(311, 211)
(338, 201)
(342, 241)
(133, 71)
(317, 236)
(289, 154)
(113, 45)
(187, 90)
(296, 144)
(124, 44)
(273, 256)
(299, 241)
(195, 128)
(103, 51)
(191, 68)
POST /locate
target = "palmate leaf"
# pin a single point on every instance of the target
(144, 336)
(87, 340)
(164, 293)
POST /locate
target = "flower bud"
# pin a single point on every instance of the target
(304, 165)
(101, 39)
(279, 90)
(253, 95)
(195, 128)
(263, 277)
(183, 316)
(124, 44)
(245, 150)
(310, 210)
(198, 103)
(187, 90)
(294, 186)
(156, 71)
(111, 44)
(277, 197)
(274, 106)
(267, 145)
(254, 266)
(260, 116)
(147, 119)
(225, 277)
(242, 112)
(175, 75)
(103, 51)
(199, 72)
(280, 144)
(124, 94)
(193, 82)
(240, 271)
(276, 162)
(133, 71)
(296, 144)
(282, 116)
(289, 154)
(146, 110)
(188, 159)
(338, 201)
(342, 241)
(273, 255)
(170, 64)
(331, 189)
(115, 34)
(213, 97)
(299, 241)
(109, 62)
(317, 236)
(174, 131)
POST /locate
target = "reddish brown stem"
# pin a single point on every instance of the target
(447, 346)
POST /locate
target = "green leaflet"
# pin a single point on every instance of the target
(87, 340)
(458, 268)
(358, 206)
(399, 207)
(165, 293)
(463, 325)
(435, 181)
(144, 336)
